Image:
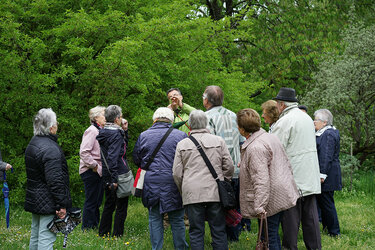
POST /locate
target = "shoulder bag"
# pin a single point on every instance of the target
(124, 181)
(262, 244)
(142, 171)
(226, 192)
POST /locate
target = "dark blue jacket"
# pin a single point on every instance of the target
(159, 186)
(113, 142)
(328, 146)
(47, 188)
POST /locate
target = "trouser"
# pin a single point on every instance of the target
(111, 204)
(273, 223)
(214, 214)
(93, 199)
(41, 237)
(328, 212)
(306, 212)
(176, 219)
(233, 233)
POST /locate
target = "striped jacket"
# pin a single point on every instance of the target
(223, 122)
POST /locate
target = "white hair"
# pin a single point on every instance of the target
(197, 119)
(163, 113)
(43, 121)
(95, 112)
(324, 115)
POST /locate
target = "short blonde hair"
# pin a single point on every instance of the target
(248, 120)
(95, 112)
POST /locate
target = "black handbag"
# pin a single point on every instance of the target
(226, 192)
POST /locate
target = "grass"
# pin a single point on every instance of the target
(356, 212)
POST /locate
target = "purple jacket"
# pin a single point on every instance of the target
(159, 186)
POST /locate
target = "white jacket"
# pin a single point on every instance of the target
(296, 132)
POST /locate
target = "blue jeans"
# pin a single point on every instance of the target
(176, 219)
(41, 237)
(273, 223)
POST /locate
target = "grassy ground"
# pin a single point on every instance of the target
(356, 212)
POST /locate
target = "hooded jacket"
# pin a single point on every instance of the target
(47, 173)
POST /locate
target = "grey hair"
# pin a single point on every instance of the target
(214, 95)
(95, 112)
(324, 115)
(197, 119)
(43, 121)
(112, 112)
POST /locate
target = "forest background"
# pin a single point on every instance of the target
(73, 55)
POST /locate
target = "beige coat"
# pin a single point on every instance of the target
(190, 172)
(266, 178)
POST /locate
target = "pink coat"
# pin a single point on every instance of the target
(266, 178)
(90, 151)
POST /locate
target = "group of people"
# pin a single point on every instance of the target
(287, 174)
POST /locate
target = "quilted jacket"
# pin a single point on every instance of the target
(47, 176)
(159, 186)
(266, 178)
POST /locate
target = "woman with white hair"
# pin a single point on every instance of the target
(90, 169)
(47, 190)
(160, 194)
(328, 147)
(200, 193)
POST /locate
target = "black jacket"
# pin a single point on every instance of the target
(113, 143)
(47, 176)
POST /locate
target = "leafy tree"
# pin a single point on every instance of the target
(345, 84)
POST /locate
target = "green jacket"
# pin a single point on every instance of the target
(181, 115)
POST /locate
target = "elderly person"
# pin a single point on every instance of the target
(222, 122)
(113, 140)
(160, 194)
(328, 146)
(90, 169)
(181, 110)
(199, 189)
(47, 190)
(270, 113)
(266, 179)
(295, 129)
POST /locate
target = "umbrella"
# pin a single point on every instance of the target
(65, 225)
(6, 198)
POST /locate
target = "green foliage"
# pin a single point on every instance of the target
(345, 85)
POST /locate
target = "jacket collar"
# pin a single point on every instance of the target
(253, 137)
(285, 111)
(322, 130)
(112, 126)
(53, 137)
(202, 130)
(159, 124)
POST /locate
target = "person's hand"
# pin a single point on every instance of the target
(124, 124)
(238, 164)
(61, 213)
(176, 102)
(8, 166)
(321, 180)
(261, 214)
(95, 169)
(114, 185)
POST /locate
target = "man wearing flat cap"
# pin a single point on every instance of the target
(296, 131)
